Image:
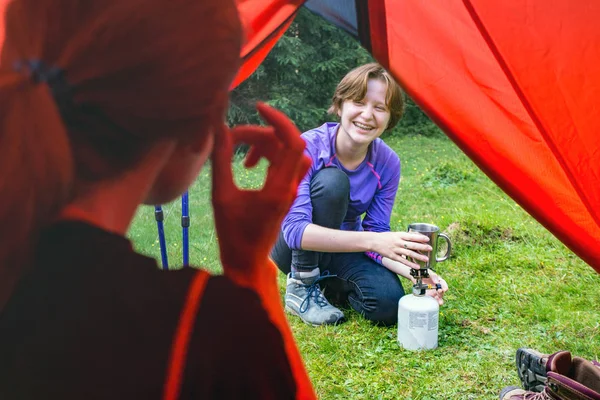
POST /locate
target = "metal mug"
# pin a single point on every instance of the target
(433, 233)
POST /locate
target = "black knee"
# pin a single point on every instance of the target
(330, 195)
(331, 185)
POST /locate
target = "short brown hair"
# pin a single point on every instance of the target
(353, 86)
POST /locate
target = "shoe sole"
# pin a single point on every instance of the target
(293, 312)
(531, 369)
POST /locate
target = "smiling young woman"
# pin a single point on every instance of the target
(353, 173)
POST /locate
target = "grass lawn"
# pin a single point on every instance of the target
(512, 284)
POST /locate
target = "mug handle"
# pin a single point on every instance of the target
(445, 257)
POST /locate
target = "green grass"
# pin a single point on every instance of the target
(512, 284)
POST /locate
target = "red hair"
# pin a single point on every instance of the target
(137, 71)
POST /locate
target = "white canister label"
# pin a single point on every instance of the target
(427, 320)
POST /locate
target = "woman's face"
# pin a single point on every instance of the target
(365, 120)
(180, 170)
(189, 156)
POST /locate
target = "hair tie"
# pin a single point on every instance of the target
(54, 77)
(77, 117)
(39, 71)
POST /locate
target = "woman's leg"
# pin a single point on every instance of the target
(330, 193)
(370, 288)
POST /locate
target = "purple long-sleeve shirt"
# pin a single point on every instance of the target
(373, 186)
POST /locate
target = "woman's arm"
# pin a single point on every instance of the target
(318, 238)
(398, 268)
(393, 245)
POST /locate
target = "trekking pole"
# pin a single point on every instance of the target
(185, 224)
(159, 216)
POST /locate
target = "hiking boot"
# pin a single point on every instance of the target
(567, 379)
(303, 298)
(533, 366)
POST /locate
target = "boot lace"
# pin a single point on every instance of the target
(314, 292)
(538, 396)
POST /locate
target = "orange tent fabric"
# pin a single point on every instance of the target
(514, 85)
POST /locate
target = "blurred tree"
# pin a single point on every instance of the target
(301, 72)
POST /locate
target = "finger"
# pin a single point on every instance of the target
(438, 280)
(301, 170)
(287, 171)
(418, 266)
(416, 246)
(222, 175)
(289, 160)
(439, 290)
(441, 294)
(405, 261)
(252, 134)
(252, 157)
(263, 142)
(444, 285)
(293, 147)
(284, 127)
(415, 237)
(440, 297)
(285, 174)
(261, 150)
(415, 255)
(436, 296)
